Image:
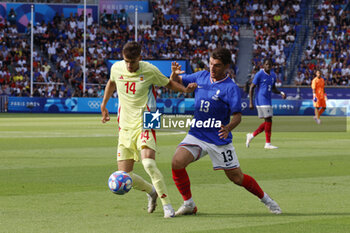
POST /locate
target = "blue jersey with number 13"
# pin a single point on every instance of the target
(213, 100)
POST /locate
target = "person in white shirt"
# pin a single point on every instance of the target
(89, 20)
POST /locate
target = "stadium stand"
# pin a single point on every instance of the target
(276, 24)
(329, 46)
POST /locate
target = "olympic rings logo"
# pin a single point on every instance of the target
(94, 104)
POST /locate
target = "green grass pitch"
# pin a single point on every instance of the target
(54, 171)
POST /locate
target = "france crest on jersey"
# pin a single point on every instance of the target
(214, 101)
(264, 84)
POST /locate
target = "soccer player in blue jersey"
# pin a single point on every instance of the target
(265, 80)
(217, 98)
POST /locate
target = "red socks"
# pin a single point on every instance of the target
(250, 184)
(259, 129)
(268, 126)
(182, 182)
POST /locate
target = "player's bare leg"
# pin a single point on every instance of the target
(320, 111)
(250, 184)
(181, 159)
(149, 164)
(126, 165)
(317, 116)
(139, 183)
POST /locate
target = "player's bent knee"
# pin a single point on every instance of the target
(181, 159)
(176, 163)
(236, 176)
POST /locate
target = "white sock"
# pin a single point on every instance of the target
(189, 202)
(167, 206)
(265, 198)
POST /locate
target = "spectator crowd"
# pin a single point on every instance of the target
(276, 25)
(58, 52)
(328, 49)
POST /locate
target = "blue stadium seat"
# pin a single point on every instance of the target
(286, 51)
(246, 20)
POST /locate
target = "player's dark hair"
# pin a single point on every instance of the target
(222, 54)
(132, 50)
(269, 60)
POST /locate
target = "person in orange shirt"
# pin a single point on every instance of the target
(319, 96)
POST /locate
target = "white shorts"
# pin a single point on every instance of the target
(223, 157)
(264, 111)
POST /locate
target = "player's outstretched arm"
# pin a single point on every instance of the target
(251, 93)
(180, 88)
(226, 129)
(110, 88)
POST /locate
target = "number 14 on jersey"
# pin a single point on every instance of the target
(130, 87)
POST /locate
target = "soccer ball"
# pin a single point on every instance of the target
(120, 182)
